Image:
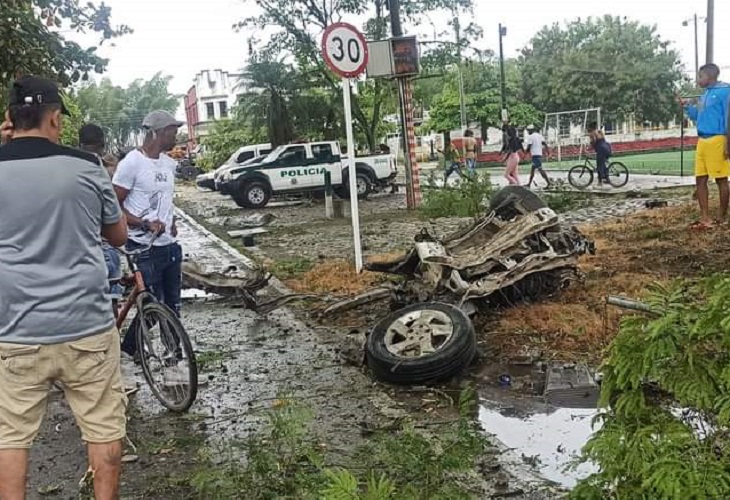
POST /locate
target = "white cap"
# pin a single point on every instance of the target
(157, 120)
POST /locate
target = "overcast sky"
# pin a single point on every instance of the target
(182, 37)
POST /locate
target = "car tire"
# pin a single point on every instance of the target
(364, 185)
(511, 201)
(253, 194)
(189, 172)
(394, 347)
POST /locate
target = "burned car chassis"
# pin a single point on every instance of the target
(519, 251)
(529, 256)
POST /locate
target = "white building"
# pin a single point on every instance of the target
(213, 94)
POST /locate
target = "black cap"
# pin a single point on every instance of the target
(34, 90)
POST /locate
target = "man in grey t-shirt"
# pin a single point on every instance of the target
(56, 321)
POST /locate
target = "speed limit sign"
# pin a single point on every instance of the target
(345, 50)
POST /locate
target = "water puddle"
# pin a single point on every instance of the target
(543, 437)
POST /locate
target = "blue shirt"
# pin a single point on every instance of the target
(711, 112)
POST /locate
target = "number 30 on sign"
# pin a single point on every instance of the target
(345, 50)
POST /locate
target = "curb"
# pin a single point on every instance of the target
(274, 282)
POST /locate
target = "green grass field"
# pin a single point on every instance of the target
(665, 163)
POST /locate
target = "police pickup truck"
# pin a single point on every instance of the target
(299, 168)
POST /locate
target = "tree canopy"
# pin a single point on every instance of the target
(300, 24)
(31, 41)
(119, 111)
(622, 66)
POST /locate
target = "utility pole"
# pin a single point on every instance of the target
(502, 33)
(697, 49)
(710, 31)
(406, 114)
(695, 19)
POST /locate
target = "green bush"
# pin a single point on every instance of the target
(666, 394)
(465, 199)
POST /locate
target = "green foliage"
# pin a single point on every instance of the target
(71, 122)
(665, 389)
(298, 25)
(465, 199)
(30, 41)
(224, 138)
(621, 66)
(119, 111)
(285, 461)
(482, 97)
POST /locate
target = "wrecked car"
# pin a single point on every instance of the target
(518, 251)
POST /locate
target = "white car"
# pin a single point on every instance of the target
(211, 180)
(297, 168)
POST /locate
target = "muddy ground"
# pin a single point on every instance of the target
(301, 235)
(250, 362)
(248, 365)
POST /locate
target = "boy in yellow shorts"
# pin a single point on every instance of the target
(711, 116)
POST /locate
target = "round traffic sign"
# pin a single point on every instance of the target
(345, 50)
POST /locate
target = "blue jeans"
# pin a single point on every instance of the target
(471, 164)
(113, 270)
(161, 269)
(602, 166)
(454, 167)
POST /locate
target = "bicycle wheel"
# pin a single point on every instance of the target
(167, 357)
(618, 174)
(580, 176)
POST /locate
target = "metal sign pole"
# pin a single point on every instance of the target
(354, 212)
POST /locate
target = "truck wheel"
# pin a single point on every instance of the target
(254, 194)
(364, 185)
(421, 343)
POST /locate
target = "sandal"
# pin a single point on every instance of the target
(701, 226)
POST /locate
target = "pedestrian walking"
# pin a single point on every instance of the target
(470, 151)
(451, 161)
(511, 147)
(535, 146)
(711, 160)
(56, 323)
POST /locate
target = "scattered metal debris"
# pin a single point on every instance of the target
(571, 386)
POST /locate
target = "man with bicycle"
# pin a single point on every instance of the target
(145, 185)
(55, 321)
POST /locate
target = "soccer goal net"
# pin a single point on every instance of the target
(565, 132)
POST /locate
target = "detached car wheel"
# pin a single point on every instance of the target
(253, 194)
(421, 343)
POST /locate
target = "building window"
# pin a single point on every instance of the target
(210, 110)
(223, 106)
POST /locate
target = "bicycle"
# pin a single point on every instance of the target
(175, 393)
(581, 176)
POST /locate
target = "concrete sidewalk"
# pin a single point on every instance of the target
(641, 182)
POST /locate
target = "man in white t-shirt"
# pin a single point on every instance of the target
(534, 146)
(145, 185)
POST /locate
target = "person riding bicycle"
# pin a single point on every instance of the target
(145, 185)
(603, 151)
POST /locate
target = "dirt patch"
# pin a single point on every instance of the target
(650, 247)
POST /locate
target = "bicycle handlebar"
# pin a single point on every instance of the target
(134, 253)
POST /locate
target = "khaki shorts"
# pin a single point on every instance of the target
(88, 369)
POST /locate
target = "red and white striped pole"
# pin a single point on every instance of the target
(414, 200)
